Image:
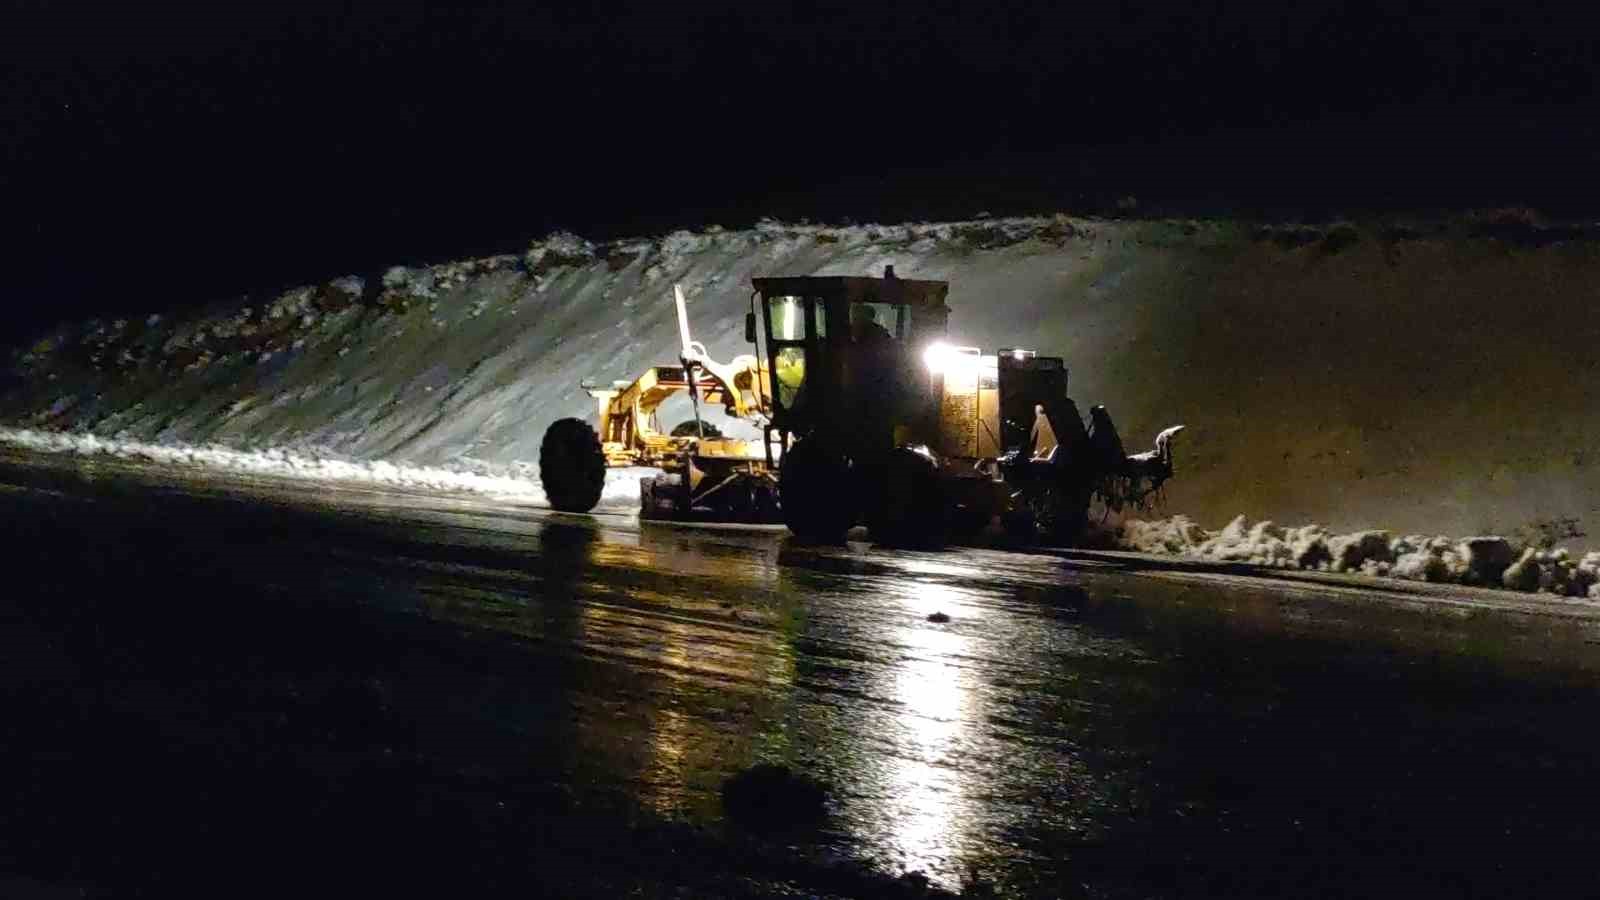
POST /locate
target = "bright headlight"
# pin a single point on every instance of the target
(960, 363)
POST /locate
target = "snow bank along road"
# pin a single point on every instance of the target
(404, 688)
(1427, 377)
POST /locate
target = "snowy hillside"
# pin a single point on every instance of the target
(1429, 378)
(459, 365)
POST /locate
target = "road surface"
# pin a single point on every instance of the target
(253, 686)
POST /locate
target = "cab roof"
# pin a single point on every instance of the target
(858, 289)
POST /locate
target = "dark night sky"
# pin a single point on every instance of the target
(159, 154)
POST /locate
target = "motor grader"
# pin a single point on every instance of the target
(866, 416)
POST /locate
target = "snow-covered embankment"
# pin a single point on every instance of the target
(1424, 376)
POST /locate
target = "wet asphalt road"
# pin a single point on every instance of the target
(256, 685)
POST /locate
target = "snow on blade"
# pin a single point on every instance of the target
(621, 488)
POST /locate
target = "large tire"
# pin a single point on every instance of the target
(815, 493)
(572, 465)
(910, 509)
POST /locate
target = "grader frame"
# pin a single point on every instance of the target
(701, 469)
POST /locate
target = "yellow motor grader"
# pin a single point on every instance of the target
(866, 416)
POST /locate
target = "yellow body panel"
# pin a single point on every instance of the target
(630, 434)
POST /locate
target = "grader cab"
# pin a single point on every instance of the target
(865, 416)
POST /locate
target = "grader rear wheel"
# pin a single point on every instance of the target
(910, 508)
(572, 465)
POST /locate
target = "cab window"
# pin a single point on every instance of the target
(788, 318)
(792, 344)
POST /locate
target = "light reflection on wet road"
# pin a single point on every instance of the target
(1069, 724)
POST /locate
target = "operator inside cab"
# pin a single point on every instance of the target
(864, 325)
(791, 370)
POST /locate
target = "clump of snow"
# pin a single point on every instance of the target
(1263, 543)
(513, 483)
(396, 276)
(1237, 541)
(1523, 575)
(1360, 551)
(1310, 546)
(682, 243)
(1422, 558)
(403, 281)
(1419, 566)
(675, 253)
(1483, 560)
(561, 248)
(1178, 536)
(1556, 572)
(352, 285)
(1586, 576)
(1487, 558)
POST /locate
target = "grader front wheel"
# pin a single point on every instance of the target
(815, 494)
(572, 465)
